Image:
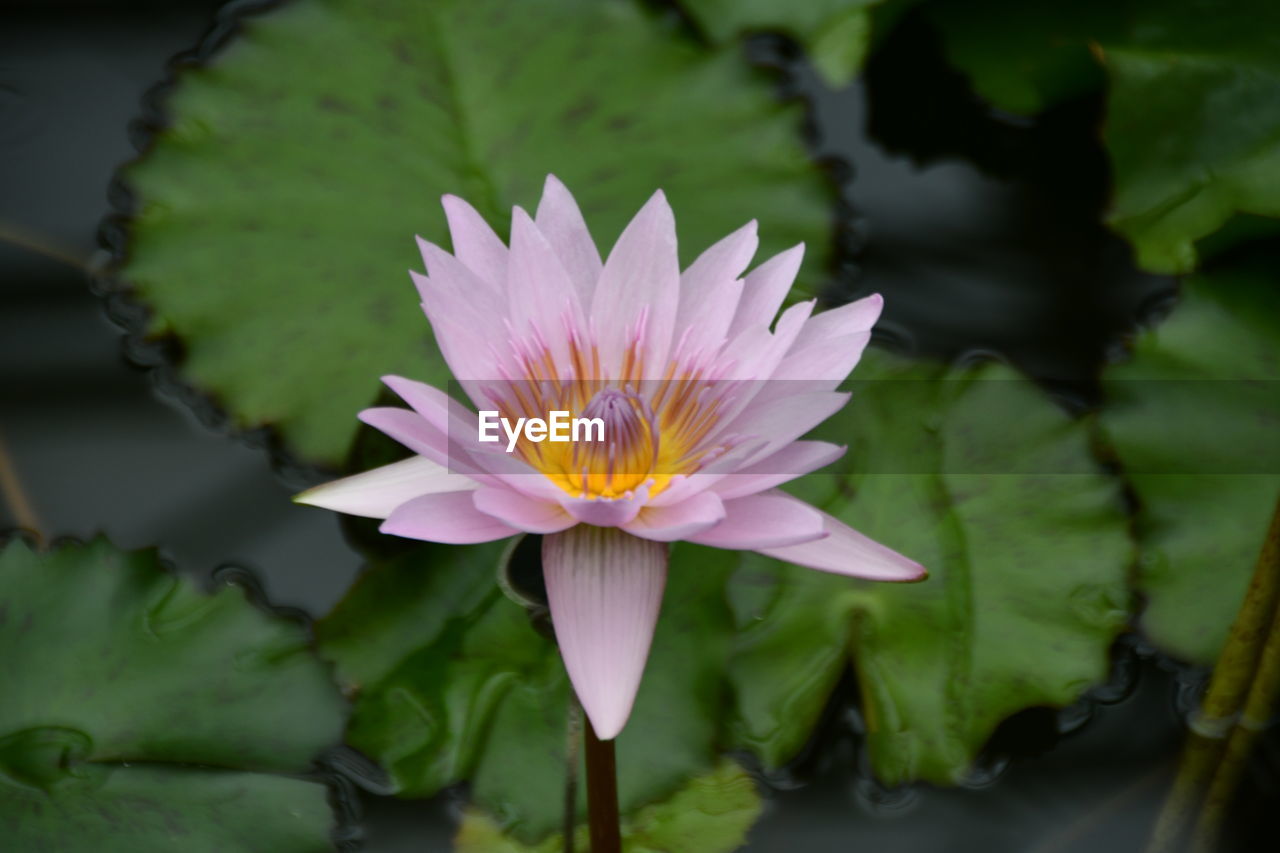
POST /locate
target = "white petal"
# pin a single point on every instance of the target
(376, 493)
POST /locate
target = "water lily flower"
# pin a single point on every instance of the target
(702, 398)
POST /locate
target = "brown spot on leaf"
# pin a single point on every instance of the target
(334, 105)
(581, 111)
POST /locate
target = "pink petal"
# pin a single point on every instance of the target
(461, 311)
(376, 493)
(447, 272)
(845, 551)
(683, 486)
(710, 289)
(522, 512)
(831, 343)
(474, 242)
(445, 414)
(506, 470)
(773, 520)
(540, 294)
(778, 422)
(561, 222)
(411, 430)
(455, 428)
(428, 401)
(677, 521)
(451, 518)
(603, 512)
(605, 589)
(727, 258)
(641, 279)
(756, 352)
(751, 358)
(852, 317)
(765, 289)
(437, 427)
(794, 460)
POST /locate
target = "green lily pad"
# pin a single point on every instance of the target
(836, 33)
(140, 714)
(1025, 57)
(710, 814)
(1193, 418)
(983, 480)
(453, 682)
(1193, 124)
(275, 214)
(1193, 101)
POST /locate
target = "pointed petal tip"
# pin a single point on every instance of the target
(606, 727)
(852, 554)
(426, 248)
(912, 572)
(393, 379)
(322, 497)
(377, 493)
(876, 301)
(305, 497)
(422, 283)
(921, 574)
(659, 205)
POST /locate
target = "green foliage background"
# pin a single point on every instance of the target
(271, 233)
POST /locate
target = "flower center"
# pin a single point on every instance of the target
(649, 430)
(623, 454)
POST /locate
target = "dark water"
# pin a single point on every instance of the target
(982, 230)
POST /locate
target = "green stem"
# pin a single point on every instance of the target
(572, 757)
(15, 496)
(1258, 709)
(1208, 751)
(15, 237)
(602, 793)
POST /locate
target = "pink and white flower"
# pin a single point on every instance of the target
(703, 397)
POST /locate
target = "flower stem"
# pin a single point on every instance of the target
(572, 757)
(15, 496)
(1220, 739)
(1259, 705)
(15, 236)
(602, 793)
